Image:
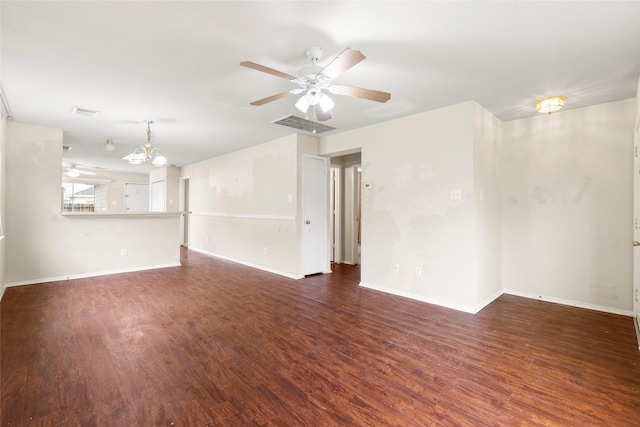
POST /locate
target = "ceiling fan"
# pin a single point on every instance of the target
(316, 80)
(75, 171)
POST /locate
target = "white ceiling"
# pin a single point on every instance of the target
(177, 63)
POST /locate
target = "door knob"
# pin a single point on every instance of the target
(636, 243)
(309, 222)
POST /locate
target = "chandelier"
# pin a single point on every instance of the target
(145, 153)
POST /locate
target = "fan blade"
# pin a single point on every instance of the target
(358, 92)
(272, 98)
(321, 115)
(341, 63)
(267, 70)
(91, 167)
(78, 171)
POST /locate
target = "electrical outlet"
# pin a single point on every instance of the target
(123, 252)
(207, 239)
(396, 267)
(418, 271)
(265, 250)
(455, 194)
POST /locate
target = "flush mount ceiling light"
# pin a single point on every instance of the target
(550, 105)
(145, 153)
(108, 146)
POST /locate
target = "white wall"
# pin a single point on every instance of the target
(487, 195)
(409, 218)
(245, 205)
(42, 245)
(567, 206)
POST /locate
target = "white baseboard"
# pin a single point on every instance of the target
(571, 303)
(635, 322)
(487, 301)
(87, 275)
(417, 297)
(248, 264)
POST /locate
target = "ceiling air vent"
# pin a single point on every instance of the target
(84, 112)
(303, 124)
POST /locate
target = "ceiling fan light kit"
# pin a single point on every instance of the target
(108, 146)
(550, 105)
(145, 153)
(314, 84)
(72, 173)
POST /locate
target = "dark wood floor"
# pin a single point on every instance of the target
(216, 343)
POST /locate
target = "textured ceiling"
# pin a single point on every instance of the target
(177, 63)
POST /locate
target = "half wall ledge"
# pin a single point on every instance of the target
(121, 215)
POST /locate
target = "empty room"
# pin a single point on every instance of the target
(312, 213)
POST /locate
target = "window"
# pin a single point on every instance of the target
(80, 197)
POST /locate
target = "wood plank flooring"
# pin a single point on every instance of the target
(215, 343)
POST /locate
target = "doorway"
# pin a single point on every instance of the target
(184, 208)
(346, 201)
(352, 207)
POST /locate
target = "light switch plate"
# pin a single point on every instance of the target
(455, 194)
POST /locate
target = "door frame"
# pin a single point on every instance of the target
(183, 206)
(351, 209)
(335, 209)
(636, 228)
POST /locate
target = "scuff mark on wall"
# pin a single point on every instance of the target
(538, 195)
(557, 192)
(586, 185)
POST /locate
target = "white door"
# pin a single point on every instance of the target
(314, 215)
(158, 196)
(136, 197)
(636, 228)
